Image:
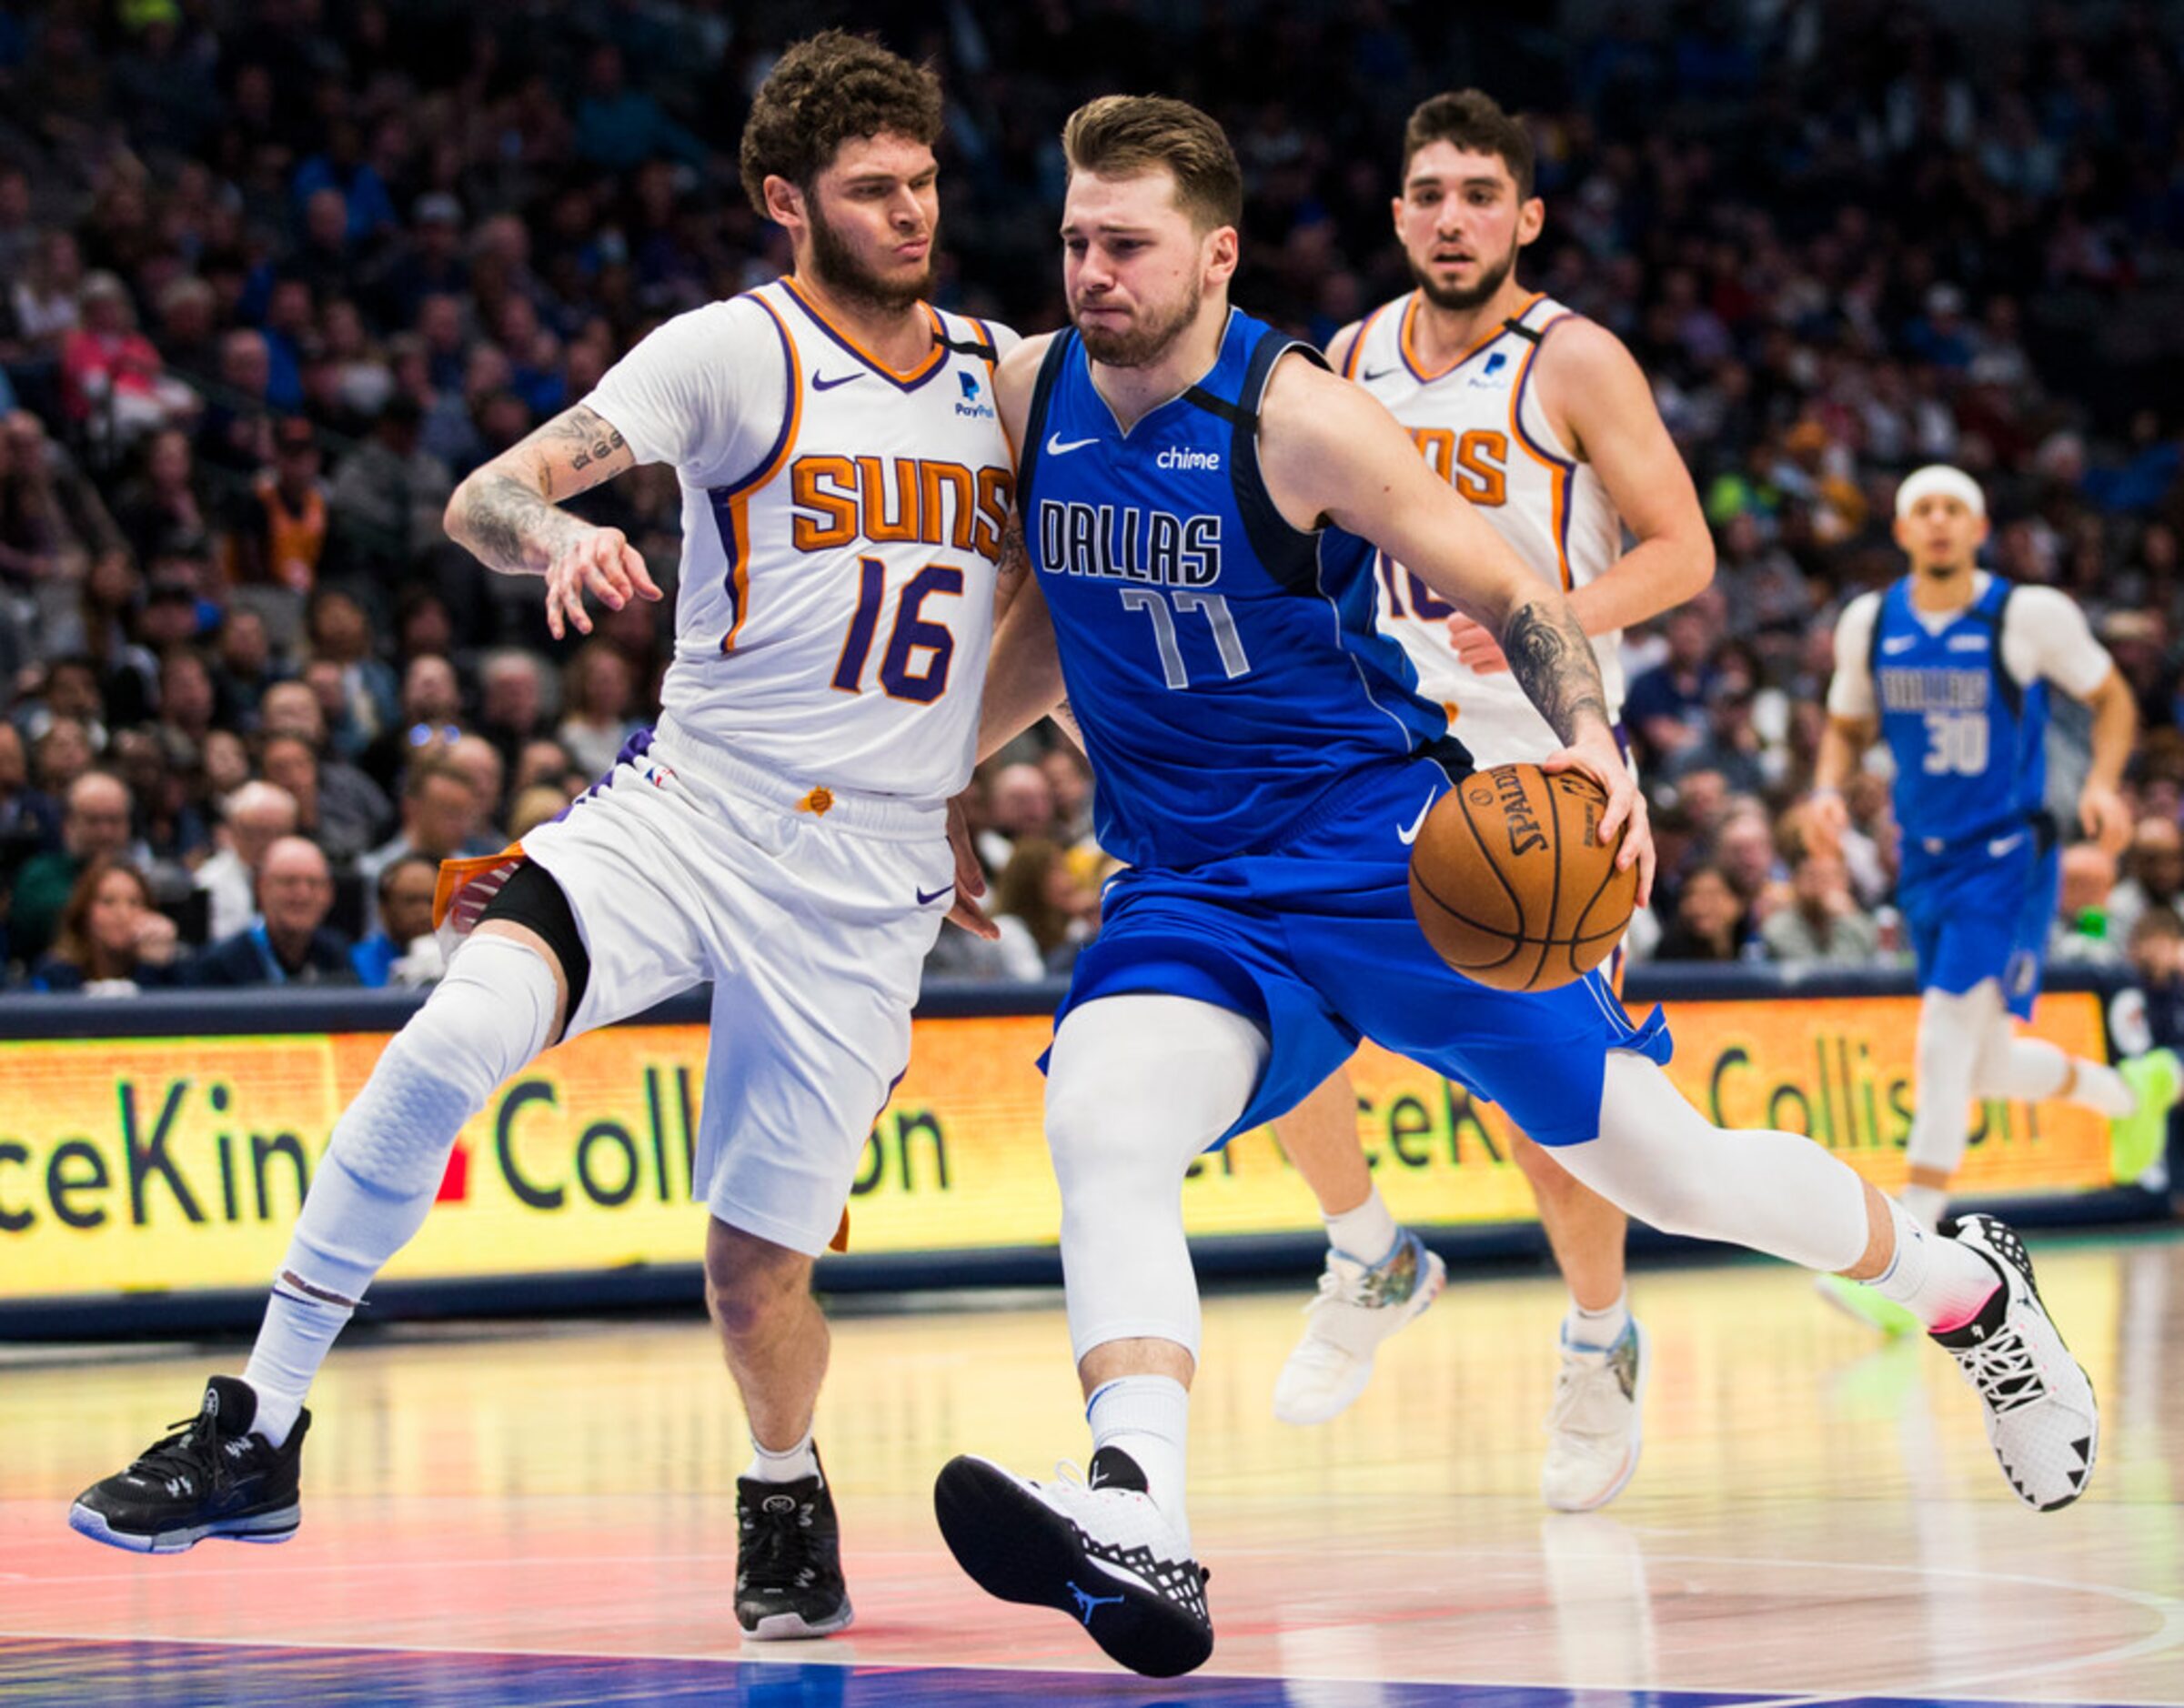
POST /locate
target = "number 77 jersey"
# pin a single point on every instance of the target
(842, 526)
(1224, 667)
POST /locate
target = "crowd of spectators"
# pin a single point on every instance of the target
(278, 273)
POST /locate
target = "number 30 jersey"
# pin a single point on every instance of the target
(1224, 667)
(1481, 427)
(842, 527)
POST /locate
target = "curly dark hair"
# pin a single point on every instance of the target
(1473, 121)
(821, 92)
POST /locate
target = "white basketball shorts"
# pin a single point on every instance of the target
(811, 914)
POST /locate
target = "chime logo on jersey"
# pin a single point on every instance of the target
(1123, 542)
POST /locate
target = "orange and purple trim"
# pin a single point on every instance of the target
(909, 380)
(731, 504)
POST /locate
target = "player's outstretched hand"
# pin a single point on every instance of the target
(1593, 753)
(2105, 817)
(1826, 820)
(602, 562)
(1476, 645)
(970, 875)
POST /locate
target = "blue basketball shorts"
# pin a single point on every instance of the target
(1981, 911)
(1315, 940)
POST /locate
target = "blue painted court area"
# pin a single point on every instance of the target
(35, 1674)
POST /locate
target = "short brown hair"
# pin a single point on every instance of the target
(1475, 121)
(824, 91)
(1126, 135)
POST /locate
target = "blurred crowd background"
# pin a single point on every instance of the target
(278, 273)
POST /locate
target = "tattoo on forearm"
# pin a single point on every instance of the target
(585, 429)
(1014, 558)
(510, 528)
(1554, 664)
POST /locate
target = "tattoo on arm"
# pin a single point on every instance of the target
(1554, 664)
(508, 519)
(1014, 558)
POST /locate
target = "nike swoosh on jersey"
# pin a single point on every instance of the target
(926, 898)
(1410, 835)
(2002, 845)
(1372, 374)
(1056, 446)
(821, 382)
(1899, 643)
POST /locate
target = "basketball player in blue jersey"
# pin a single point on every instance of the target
(1201, 503)
(783, 834)
(1952, 668)
(1540, 418)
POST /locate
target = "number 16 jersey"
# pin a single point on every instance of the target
(1224, 666)
(842, 529)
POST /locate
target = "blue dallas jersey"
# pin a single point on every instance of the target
(1969, 740)
(1224, 667)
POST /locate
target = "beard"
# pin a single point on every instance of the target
(1463, 301)
(846, 275)
(1143, 344)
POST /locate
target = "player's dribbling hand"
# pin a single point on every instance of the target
(1594, 754)
(596, 560)
(970, 875)
(1476, 646)
(2105, 817)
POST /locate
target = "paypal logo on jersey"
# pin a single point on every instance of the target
(1121, 542)
(1493, 375)
(969, 405)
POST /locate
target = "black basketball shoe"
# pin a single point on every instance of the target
(211, 1478)
(789, 1560)
(1099, 1551)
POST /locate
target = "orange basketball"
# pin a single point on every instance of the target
(1510, 882)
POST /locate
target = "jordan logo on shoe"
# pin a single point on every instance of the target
(1088, 1604)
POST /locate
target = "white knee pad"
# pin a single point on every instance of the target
(1137, 1087)
(492, 1013)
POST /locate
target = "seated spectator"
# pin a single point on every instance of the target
(341, 633)
(61, 755)
(403, 950)
(2153, 878)
(281, 528)
(431, 702)
(30, 819)
(390, 493)
(596, 706)
(2079, 935)
(1667, 705)
(440, 821)
(111, 379)
(1040, 889)
(111, 940)
(289, 942)
(540, 804)
(1745, 851)
(253, 819)
(340, 807)
(479, 760)
(1711, 924)
(1020, 803)
(513, 706)
(1823, 924)
(95, 824)
(162, 508)
(236, 431)
(1729, 743)
(1069, 776)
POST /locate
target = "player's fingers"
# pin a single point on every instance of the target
(639, 575)
(604, 576)
(972, 918)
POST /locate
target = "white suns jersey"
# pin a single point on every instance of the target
(842, 526)
(1479, 424)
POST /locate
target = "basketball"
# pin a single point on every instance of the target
(1511, 883)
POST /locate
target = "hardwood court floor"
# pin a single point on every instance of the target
(546, 1514)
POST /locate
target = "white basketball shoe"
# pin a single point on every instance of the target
(1359, 1306)
(2042, 1419)
(1100, 1552)
(1595, 1427)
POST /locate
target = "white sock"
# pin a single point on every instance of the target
(1926, 1204)
(1149, 1418)
(1939, 1282)
(2102, 1089)
(791, 1465)
(1367, 1234)
(292, 1344)
(1596, 1330)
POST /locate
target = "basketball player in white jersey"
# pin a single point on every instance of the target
(1541, 420)
(845, 485)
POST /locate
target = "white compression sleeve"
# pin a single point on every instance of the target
(2032, 1070)
(1953, 1034)
(1137, 1086)
(488, 1018)
(1661, 1161)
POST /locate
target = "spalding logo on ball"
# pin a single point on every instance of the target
(1512, 884)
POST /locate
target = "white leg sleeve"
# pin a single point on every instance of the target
(1664, 1162)
(486, 1019)
(1953, 1033)
(2032, 1070)
(1137, 1086)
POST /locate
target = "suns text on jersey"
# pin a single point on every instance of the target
(1124, 542)
(840, 500)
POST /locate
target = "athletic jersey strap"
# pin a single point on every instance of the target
(1042, 392)
(1291, 557)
